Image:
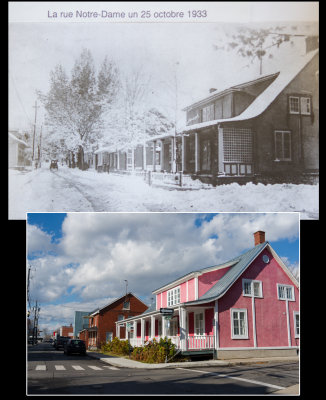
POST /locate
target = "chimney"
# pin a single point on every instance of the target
(259, 237)
(211, 90)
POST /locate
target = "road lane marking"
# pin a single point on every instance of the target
(95, 368)
(110, 367)
(40, 368)
(78, 368)
(59, 367)
(236, 378)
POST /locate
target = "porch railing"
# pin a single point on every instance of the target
(200, 342)
(193, 342)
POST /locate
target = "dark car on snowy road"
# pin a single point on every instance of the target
(54, 164)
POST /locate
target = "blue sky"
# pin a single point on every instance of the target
(80, 260)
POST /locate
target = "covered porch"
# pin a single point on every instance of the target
(191, 330)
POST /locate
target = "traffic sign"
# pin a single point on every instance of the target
(166, 311)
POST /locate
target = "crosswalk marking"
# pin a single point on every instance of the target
(78, 368)
(40, 368)
(95, 368)
(110, 367)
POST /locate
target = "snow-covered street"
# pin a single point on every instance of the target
(73, 190)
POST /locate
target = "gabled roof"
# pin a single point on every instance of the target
(264, 100)
(97, 310)
(242, 263)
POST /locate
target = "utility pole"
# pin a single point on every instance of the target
(28, 278)
(40, 149)
(35, 324)
(36, 107)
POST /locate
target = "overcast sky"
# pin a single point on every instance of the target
(80, 261)
(166, 52)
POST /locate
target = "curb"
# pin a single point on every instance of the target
(127, 363)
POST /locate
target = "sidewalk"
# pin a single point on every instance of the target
(126, 363)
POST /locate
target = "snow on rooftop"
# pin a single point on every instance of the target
(262, 101)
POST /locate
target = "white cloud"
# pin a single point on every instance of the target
(38, 240)
(98, 252)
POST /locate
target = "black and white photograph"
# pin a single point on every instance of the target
(163, 107)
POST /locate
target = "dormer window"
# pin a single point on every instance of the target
(174, 296)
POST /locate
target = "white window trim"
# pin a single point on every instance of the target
(285, 286)
(283, 158)
(174, 297)
(291, 111)
(296, 335)
(252, 281)
(309, 101)
(245, 336)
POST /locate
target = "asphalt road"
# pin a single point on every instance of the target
(51, 372)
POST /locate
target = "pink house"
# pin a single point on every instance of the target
(246, 307)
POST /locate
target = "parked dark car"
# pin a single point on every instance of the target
(60, 342)
(54, 164)
(75, 346)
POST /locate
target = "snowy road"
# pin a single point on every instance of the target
(88, 191)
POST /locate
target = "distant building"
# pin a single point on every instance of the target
(80, 323)
(17, 154)
(67, 330)
(102, 321)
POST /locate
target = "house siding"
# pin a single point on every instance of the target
(207, 280)
(270, 332)
(277, 117)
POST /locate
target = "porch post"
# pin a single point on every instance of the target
(142, 331)
(152, 326)
(163, 327)
(162, 155)
(183, 329)
(144, 157)
(126, 331)
(135, 330)
(220, 149)
(216, 330)
(118, 159)
(118, 331)
(174, 154)
(196, 152)
(183, 153)
(154, 155)
(133, 159)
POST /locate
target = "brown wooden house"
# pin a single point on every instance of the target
(266, 128)
(102, 327)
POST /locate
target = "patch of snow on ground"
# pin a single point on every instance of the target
(74, 190)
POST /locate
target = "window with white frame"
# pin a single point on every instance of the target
(282, 145)
(126, 305)
(285, 292)
(296, 317)
(294, 105)
(252, 288)
(300, 105)
(305, 105)
(239, 323)
(174, 296)
(199, 323)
